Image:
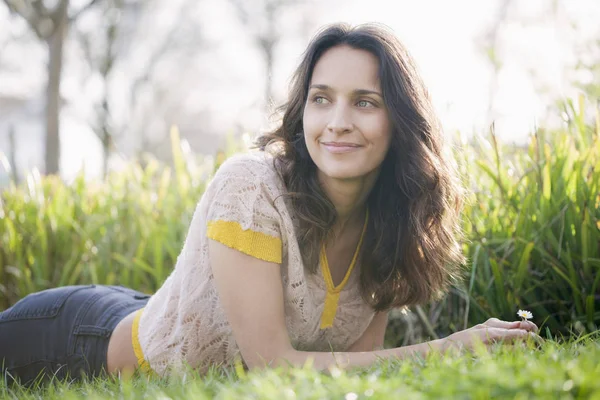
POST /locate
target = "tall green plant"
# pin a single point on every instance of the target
(533, 224)
(127, 230)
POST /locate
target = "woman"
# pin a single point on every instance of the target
(296, 251)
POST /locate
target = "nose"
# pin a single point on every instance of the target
(340, 121)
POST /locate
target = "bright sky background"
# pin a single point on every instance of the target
(536, 47)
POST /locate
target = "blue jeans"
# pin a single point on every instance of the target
(62, 332)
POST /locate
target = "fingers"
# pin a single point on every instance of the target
(510, 335)
(513, 334)
(525, 325)
(503, 334)
(496, 323)
(528, 325)
(487, 335)
(491, 334)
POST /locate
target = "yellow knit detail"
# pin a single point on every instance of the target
(333, 292)
(137, 347)
(255, 244)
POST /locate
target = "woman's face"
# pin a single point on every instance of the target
(346, 125)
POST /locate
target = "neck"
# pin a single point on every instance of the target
(349, 197)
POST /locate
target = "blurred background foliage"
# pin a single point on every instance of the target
(94, 84)
(532, 222)
(98, 83)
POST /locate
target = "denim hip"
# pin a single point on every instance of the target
(63, 332)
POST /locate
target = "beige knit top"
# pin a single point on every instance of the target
(184, 324)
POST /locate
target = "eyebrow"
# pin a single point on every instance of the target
(356, 91)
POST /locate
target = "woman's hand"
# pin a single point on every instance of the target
(491, 331)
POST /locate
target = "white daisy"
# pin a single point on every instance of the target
(525, 314)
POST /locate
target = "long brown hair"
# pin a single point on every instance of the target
(411, 251)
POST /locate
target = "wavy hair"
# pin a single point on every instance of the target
(413, 232)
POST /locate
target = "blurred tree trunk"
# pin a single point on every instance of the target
(267, 44)
(55, 61)
(262, 19)
(183, 40)
(101, 48)
(104, 128)
(107, 61)
(267, 49)
(50, 25)
(12, 154)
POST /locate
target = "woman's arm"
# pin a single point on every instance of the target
(372, 338)
(251, 294)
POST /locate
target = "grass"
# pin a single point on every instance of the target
(567, 370)
(532, 222)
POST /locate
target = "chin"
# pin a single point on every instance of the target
(341, 175)
(344, 172)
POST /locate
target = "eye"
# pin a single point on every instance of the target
(365, 104)
(319, 100)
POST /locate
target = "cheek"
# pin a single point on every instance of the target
(380, 133)
(307, 121)
(305, 117)
(311, 124)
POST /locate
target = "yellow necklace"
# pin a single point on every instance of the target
(332, 296)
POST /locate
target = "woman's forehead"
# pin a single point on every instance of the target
(343, 67)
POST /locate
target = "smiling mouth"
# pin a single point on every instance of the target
(335, 147)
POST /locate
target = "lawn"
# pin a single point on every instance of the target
(569, 370)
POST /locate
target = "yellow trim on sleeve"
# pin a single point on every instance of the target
(255, 244)
(332, 296)
(137, 347)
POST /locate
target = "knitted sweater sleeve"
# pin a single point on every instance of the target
(241, 212)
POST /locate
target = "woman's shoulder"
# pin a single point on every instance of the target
(251, 167)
